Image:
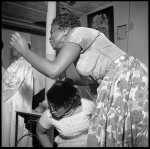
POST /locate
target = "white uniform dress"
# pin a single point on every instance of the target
(70, 126)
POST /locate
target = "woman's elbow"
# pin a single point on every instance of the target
(37, 132)
(55, 74)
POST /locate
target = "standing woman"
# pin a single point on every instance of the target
(120, 116)
(17, 94)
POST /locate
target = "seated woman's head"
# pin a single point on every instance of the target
(63, 98)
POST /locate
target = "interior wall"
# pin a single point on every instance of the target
(121, 17)
(138, 36)
(134, 14)
(39, 43)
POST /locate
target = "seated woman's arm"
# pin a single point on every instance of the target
(42, 136)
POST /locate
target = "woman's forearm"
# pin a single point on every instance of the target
(41, 64)
(51, 69)
(44, 140)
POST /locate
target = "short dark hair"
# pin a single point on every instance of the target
(66, 20)
(63, 94)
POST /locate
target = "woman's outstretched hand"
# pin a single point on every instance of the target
(19, 43)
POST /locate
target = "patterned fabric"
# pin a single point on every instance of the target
(120, 116)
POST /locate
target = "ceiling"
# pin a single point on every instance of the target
(30, 16)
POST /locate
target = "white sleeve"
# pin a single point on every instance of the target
(82, 36)
(45, 119)
(91, 105)
(14, 77)
(88, 105)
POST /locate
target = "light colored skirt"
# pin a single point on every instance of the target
(77, 142)
(120, 117)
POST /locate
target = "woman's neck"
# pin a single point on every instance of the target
(74, 112)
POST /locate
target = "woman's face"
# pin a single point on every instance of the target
(57, 37)
(59, 112)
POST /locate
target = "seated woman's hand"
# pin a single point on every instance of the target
(19, 43)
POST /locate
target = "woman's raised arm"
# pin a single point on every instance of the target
(51, 69)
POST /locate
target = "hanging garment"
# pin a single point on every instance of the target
(17, 93)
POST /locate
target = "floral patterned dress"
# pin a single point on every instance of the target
(120, 116)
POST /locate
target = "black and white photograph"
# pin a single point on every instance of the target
(74, 74)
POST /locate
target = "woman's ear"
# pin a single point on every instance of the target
(66, 31)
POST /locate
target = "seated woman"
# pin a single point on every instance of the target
(68, 113)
